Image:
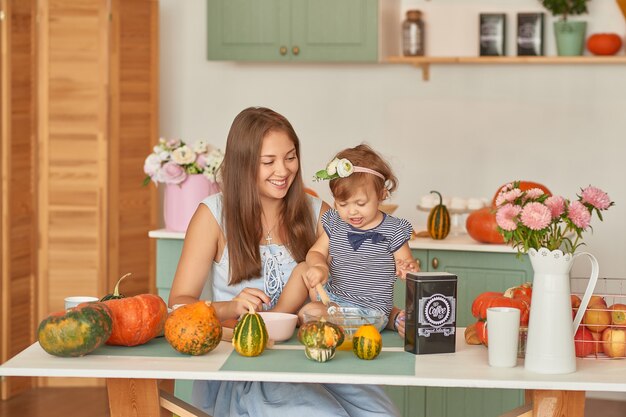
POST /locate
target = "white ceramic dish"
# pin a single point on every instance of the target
(280, 326)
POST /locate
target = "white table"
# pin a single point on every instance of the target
(132, 380)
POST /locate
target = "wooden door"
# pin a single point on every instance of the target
(17, 162)
(73, 115)
(133, 131)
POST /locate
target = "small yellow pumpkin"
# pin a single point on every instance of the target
(194, 328)
(367, 342)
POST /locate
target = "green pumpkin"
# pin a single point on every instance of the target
(438, 223)
(320, 339)
(116, 291)
(250, 335)
(77, 331)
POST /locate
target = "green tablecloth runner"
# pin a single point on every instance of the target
(293, 360)
(158, 348)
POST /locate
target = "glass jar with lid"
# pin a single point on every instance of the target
(413, 34)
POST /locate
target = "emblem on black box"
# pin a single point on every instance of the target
(436, 311)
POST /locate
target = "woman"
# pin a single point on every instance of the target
(251, 238)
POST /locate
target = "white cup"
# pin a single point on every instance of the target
(503, 333)
(74, 301)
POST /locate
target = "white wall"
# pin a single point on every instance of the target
(465, 132)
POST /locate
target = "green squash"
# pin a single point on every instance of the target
(250, 335)
(77, 331)
(116, 291)
(438, 223)
(320, 339)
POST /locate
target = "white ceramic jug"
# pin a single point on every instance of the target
(550, 342)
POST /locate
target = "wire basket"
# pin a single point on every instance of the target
(605, 325)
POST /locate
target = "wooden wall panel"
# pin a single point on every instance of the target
(134, 110)
(19, 220)
(75, 157)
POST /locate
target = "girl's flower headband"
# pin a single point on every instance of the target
(342, 168)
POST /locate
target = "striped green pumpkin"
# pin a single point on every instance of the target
(367, 342)
(438, 220)
(250, 335)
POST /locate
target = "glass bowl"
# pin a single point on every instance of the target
(349, 319)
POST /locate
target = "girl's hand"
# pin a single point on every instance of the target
(248, 296)
(400, 323)
(403, 266)
(316, 275)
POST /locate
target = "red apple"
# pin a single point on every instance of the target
(598, 346)
(615, 342)
(575, 301)
(584, 343)
(618, 314)
(596, 300)
(597, 317)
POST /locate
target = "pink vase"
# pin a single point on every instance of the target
(182, 200)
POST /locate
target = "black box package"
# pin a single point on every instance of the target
(530, 34)
(492, 34)
(430, 312)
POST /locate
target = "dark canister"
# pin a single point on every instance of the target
(430, 312)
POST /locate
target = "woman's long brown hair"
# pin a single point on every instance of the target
(242, 210)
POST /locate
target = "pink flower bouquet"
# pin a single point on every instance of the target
(172, 160)
(532, 219)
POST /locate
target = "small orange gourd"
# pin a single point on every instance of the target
(194, 329)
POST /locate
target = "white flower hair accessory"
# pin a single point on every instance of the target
(342, 168)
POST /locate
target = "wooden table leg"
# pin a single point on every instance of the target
(548, 403)
(133, 397)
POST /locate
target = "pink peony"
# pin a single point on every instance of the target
(172, 173)
(508, 196)
(506, 217)
(556, 204)
(579, 215)
(536, 216)
(534, 193)
(596, 197)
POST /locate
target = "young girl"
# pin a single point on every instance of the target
(250, 239)
(362, 249)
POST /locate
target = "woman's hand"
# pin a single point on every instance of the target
(240, 305)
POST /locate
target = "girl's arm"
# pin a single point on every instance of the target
(404, 261)
(199, 251)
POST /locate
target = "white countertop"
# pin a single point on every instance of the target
(459, 243)
(467, 367)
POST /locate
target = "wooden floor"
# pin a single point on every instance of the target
(92, 402)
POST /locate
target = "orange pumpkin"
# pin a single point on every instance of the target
(481, 332)
(136, 320)
(194, 329)
(524, 186)
(481, 226)
(498, 299)
(604, 43)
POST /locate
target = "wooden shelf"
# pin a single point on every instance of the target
(424, 62)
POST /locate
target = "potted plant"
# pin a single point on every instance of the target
(570, 36)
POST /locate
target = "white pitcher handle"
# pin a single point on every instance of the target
(595, 270)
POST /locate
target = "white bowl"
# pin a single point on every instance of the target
(280, 326)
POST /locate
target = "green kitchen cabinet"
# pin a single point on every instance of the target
(477, 272)
(293, 30)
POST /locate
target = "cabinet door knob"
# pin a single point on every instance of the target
(283, 50)
(295, 50)
(435, 263)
